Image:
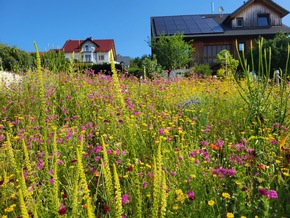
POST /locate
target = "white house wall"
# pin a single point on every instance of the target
(95, 56)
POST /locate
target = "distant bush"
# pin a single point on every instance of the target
(105, 68)
(203, 69)
(54, 60)
(135, 71)
(15, 60)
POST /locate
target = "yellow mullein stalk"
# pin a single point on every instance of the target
(138, 193)
(157, 182)
(75, 194)
(42, 112)
(23, 186)
(11, 153)
(106, 171)
(27, 160)
(163, 196)
(83, 180)
(35, 214)
(71, 63)
(118, 194)
(55, 177)
(116, 82)
(23, 209)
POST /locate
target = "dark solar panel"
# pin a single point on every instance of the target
(186, 24)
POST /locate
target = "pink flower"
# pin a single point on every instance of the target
(125, 199)
(62, 210)
(190, 195)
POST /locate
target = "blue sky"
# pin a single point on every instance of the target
(51, 22)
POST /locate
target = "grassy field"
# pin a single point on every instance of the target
(91, 145)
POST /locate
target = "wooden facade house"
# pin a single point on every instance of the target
(211, 33)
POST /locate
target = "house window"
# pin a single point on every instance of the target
(240, 22)
(263, 20)
(101, 57)
(210, 52)
(88, 58)
(241, 46)
(86, 47)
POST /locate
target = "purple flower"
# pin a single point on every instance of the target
(231, 172)
(97, 158)
(173, 173)
(40, 164)
(98, 149)
(62, 210)
(190, 195)
(125, 199)
(272, 194)
(263, 191)
(161, 131)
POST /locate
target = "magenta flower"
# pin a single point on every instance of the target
(161, 131)
(51, 180)
(191, 195)
(125, 199)
(269, 194)
(62, 210)
(272, 194)
(263, 191)
(145, 184)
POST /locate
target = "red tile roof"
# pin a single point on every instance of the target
(103, 45)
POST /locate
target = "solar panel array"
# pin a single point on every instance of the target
(186, 24)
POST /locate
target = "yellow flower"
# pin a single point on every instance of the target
(243, 217)
(238, 182)
(210, 202)
(175, 207)
(230, 215)
(226, 195)
(286, 174)
(193, 176)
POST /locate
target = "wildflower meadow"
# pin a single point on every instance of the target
(95, 145)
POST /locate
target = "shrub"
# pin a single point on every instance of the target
(15, 60)
(203, 69)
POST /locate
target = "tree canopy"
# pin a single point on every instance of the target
(279, 52)
(14, 59)
(172, 52)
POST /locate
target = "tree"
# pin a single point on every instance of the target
(54, 60)
(13, 59)
(151, 66)
(172, 52)
(279, 52)
(228, 64)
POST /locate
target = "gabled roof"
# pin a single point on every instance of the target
(271, 4)
(102, 45)
(214, 25)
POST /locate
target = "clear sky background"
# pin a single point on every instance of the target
(51, 22)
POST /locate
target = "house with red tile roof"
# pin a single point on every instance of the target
(94, 51)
